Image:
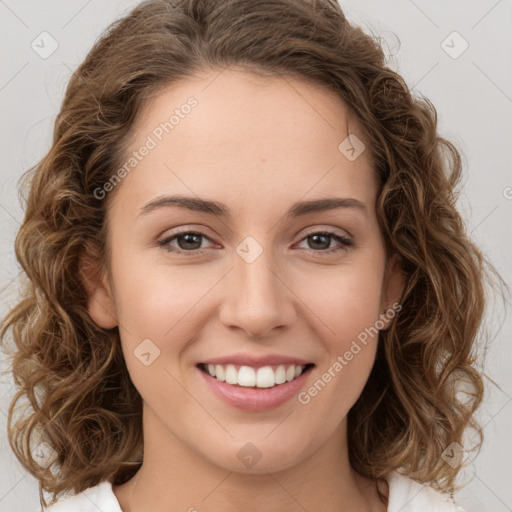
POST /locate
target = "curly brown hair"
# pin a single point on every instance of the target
(81, 400)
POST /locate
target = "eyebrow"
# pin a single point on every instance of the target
(221, 210)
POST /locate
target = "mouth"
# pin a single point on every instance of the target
(270, 376)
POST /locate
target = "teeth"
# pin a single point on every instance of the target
(265, 377)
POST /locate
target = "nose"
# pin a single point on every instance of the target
(257, 298)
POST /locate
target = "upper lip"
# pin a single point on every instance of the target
(256, 361)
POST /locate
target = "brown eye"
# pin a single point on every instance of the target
(187, 241)
(321, 240)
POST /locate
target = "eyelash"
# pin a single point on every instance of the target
(345, 243)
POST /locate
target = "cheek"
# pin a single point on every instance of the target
(347, 300)
(349, 313)
(160, 309)
(153, 298)
(162, 302)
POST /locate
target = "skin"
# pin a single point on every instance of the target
(258, 145)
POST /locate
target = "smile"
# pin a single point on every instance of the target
(254, 389)
(247, 376)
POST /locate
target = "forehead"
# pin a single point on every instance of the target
(278, 138)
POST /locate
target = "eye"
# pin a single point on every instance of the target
(319, 239)
(189, 242)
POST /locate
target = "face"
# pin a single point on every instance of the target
(247, 274)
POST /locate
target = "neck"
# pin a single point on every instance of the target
(174, 477)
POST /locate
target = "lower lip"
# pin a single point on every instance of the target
(255, 399)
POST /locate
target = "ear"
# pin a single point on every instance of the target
(395, 280)
(100, 301)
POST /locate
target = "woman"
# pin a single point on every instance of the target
(191, 344)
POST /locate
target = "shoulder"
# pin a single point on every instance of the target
(407, 495)
(100, 497)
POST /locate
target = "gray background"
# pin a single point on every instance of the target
(473, 95)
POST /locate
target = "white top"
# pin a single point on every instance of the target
(405, 495)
